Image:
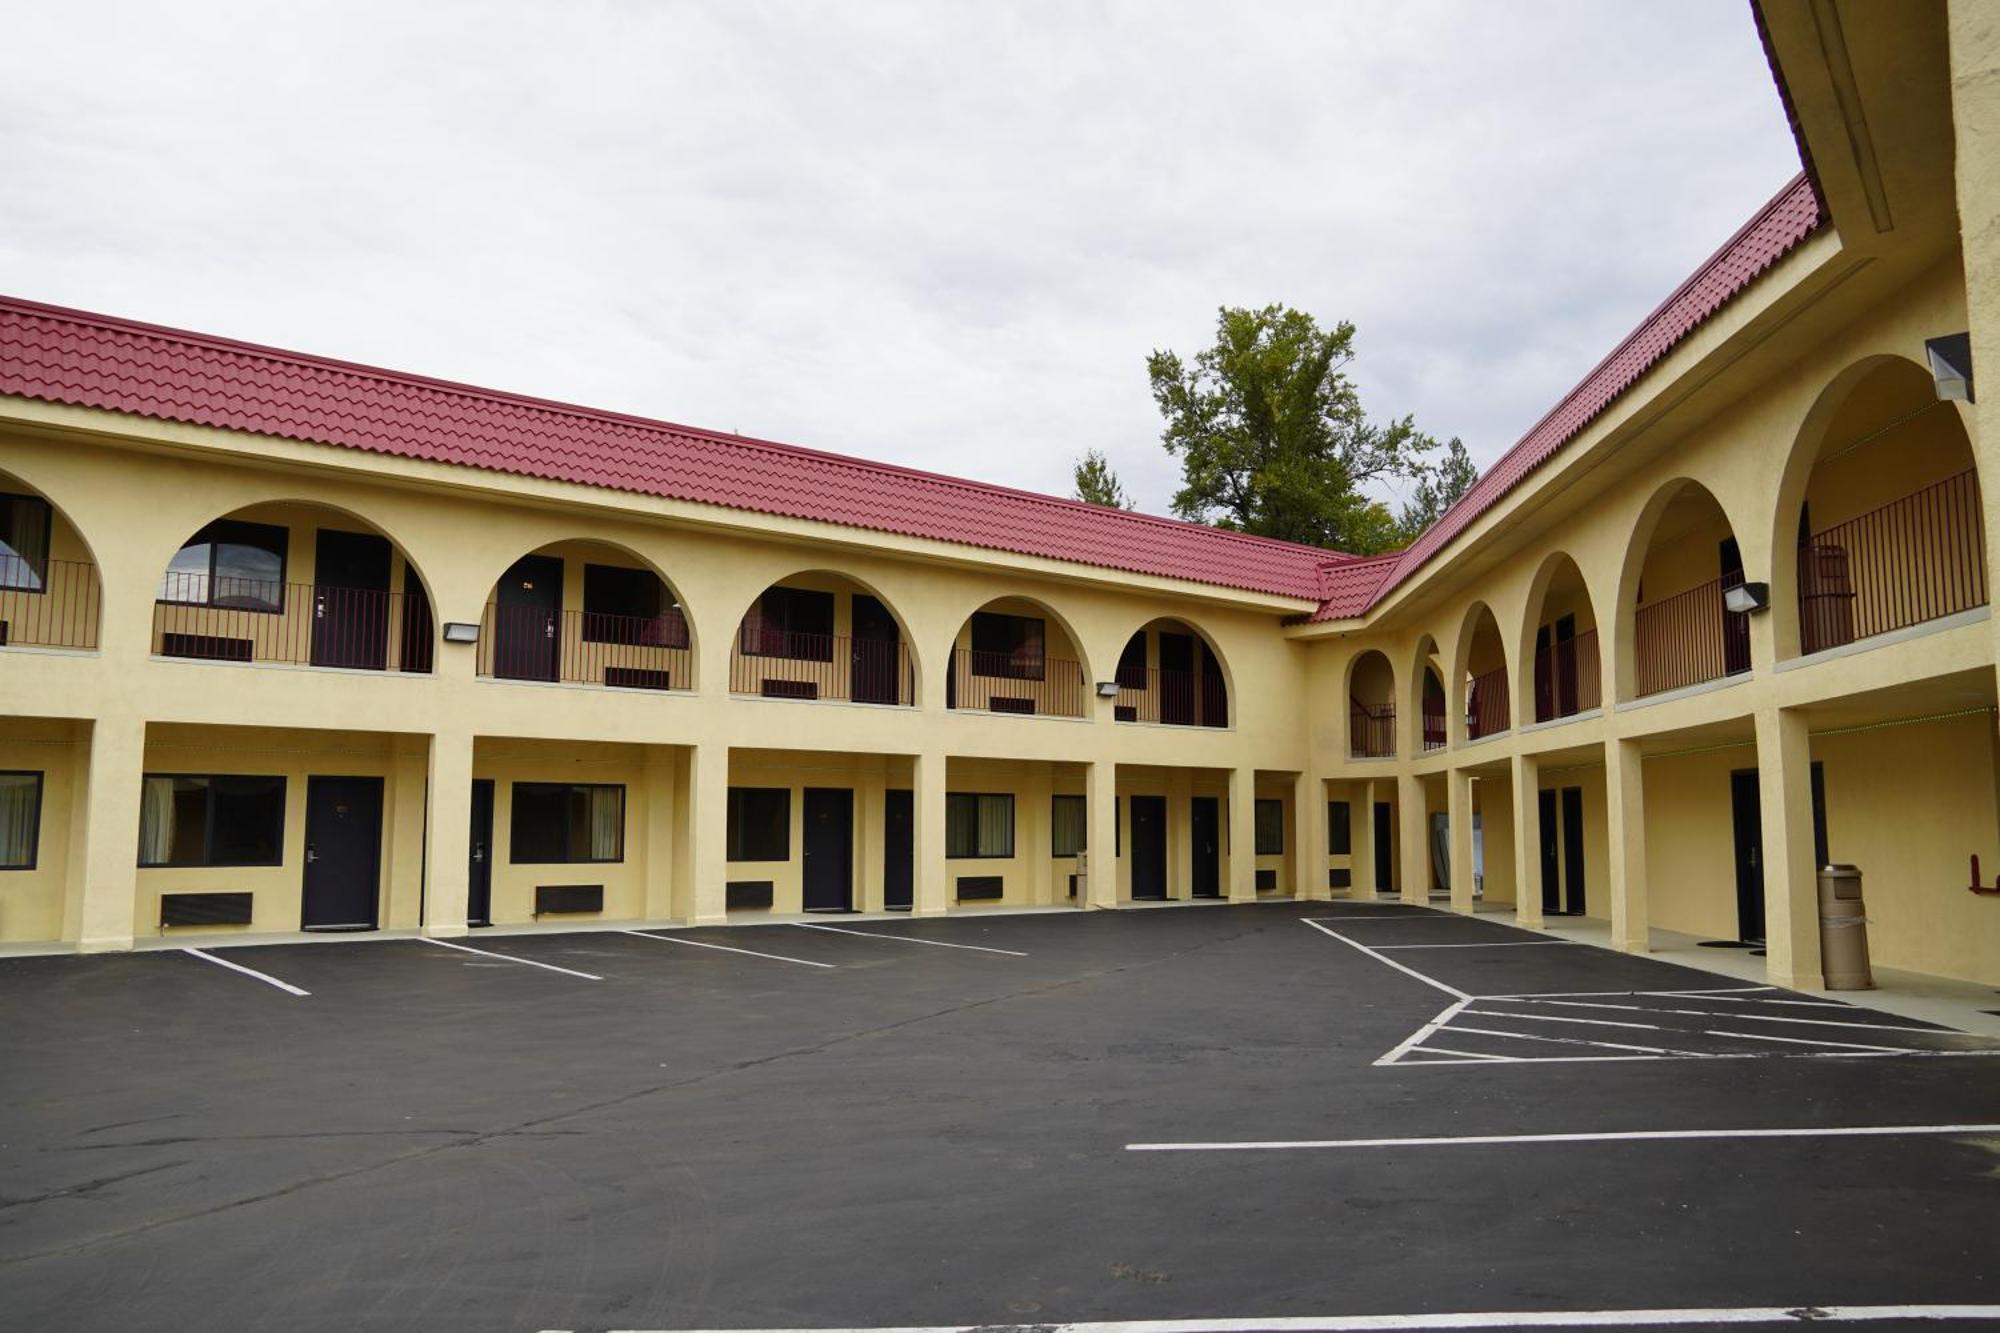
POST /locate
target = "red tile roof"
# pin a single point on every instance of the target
(69, 356)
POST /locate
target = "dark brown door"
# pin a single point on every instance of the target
(479, 870)
(526, 645)
(899, 849)
(829, 850)
(1205, 826)
(1177, 679)
(1149, 847)
(1572, 818)
(876, 645)
(350, 600)
(343, 853)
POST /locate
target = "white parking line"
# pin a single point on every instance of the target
(1488, 944)
(285, 986)
(906, 939)
(1733, 1016)
(1565, 1018)
(1452, 991)
(510, 958)
(1804, 1041)
(1580, 1041)
(1616, 1136)
(703, 944)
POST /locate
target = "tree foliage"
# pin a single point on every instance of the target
(1097, 484)
(1272, 438)
(1442, 483)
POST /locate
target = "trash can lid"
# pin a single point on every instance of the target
(1839, 870)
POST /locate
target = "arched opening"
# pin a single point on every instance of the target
(50, 593)
(819, 635)
(297, 583)
(587, 613)
(1885, 522)
(1169, 673)
(1568, 673)
(1482, 671)
(1014, 655)
(1685, 560)
(1432, 707)
(1371, 707)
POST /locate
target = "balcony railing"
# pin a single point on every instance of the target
(1486, 712)
(1433, 719)
(226, 619)
(586, 648)
(1912, 560)
(49, 604)
(1005, 683)
(1371, 732)
(1568, 678)
(785, 665)
(1689, 638)
(1172, 698)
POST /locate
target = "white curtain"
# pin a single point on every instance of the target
(24, 553)
(20, 808)
(156, 821)
(1441, 850)
(996, 826)
(607, 823)
(1068, 829)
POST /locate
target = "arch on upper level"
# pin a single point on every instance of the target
(824, 634)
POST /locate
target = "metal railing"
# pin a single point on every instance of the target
(1688, 638)
(1172, 698)
(1912, 560)
(586, 648)
(301, 624)
(781, 664)
(1486, 711)
(1004, 683)
(1371, 732)
(1433, 715)
(1568, 678)
(50, 604)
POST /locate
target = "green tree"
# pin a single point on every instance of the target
(1437, 490)
(1097, 484)
(1271, 436)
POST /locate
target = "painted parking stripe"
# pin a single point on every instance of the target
(1735, 1016)
(906, 939)
(703, 944)
(1580, 1041)
(1615, 1136)
(267, 979)
(1806, 1041)
(1452, 991)
(510, 958)
(1486, 944)
(1379, 1323)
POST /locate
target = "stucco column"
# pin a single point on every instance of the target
(1242, 835)
(1459, 822)
(932, 889)
(703, 862)
(448, 834)
(1361, 839)
(1413, 829)
(1625, 814)
(657, 872)
(108, 805)
(1309, 839)
(1100, 799)
(1527, 841)
(1791, 894)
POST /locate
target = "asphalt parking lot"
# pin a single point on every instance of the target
(1255, 1113)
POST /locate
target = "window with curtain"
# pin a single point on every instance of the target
(978, 825)
(214, 819)
(792, 623)
(760, 824)
(24, 542)
(230, 564)
(1069, 832)
(630, 606)
(1270, 828)
(1339, 836)
(20, 819)
(1010, 647)
(558, 822)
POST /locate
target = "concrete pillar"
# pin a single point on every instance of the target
(1242, 835)
(408, 815)
(448, 834)
(1413, 829)
(1459, 821)
(1038, 787)
(1309, 839)
(702, 865)
(1180, 835)
(932, 872)
(108, 805)
(1100, 799)
(1625, 814)
(1361, 830)
(1791, 893)
(657, 871)
(1527, 841)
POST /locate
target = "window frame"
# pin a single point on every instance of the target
(732, 840)
(754, 640)
(35, 827)
(664, 628)
(210, 535)
(284, 788)
(959, 798)
(570, 858)
(37, 567)
(1267, 805)
(1008, 663)
(1339, 832)
(1082, 826)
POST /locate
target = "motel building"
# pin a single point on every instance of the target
(294, 646)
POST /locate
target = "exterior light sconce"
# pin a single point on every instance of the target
(1107, 689)
(1951, 365)
(1747, 597)
(459, 631)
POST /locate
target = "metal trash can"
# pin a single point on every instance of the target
(1843, 930)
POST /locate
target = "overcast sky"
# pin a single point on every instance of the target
(942, 234)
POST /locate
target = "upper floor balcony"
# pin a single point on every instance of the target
(819, 636)
(584, 613)
(1169, 674)
(1014, 656)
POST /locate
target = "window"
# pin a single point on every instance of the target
(24, 542)
(760, 824)
(978, 825)
(1339, 837)
(1007, 646)
(567, 821)
(630, 606)
(1132, 663)
(231, 564)
(1069, 831)
(1270, 828)
(794, 623)
(20, 819)
(211, 820)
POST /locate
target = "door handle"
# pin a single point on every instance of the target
(479, 855)
(311, 854)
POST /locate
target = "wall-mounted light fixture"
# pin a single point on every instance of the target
(1747, 597)
(1951, 365)
(460, 631)
(1107, 689)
